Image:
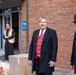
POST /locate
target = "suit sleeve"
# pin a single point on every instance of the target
(31, 48)
(72, 55)
(54, 46)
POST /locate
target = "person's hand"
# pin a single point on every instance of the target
(6, 37)
(30, 62)
(51, 64)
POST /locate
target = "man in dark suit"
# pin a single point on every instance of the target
(73, 56)
(43, 49)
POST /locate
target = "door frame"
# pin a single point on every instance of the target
(20, 27)
(20, 32)
(10, 19)
(1, 33)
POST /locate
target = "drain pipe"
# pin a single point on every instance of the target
(27, 31)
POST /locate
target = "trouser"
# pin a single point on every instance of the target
(37, 61)
(75, 68)
(8, 50)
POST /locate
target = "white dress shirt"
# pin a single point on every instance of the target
(42, 32)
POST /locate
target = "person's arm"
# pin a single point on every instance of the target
(72, 55)
(54, 46)
(12, 36)
(54, 49)
(3, 36)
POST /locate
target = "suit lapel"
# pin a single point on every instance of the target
(36, 35)
(45, 35)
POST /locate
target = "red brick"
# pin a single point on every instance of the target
(60, 15)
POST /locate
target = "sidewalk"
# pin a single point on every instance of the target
(58, 71)
(2, 54)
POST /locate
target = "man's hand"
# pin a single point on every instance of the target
(30, 62)
(51, 64)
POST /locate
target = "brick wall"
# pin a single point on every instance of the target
(23, 32)
(60, 15)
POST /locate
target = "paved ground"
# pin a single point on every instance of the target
(2, 54)
(58, 71)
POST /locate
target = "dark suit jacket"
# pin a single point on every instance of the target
(73, 56)
(48, 50)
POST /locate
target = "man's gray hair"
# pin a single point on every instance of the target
(41, 19)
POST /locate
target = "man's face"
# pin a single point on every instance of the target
(43, 23)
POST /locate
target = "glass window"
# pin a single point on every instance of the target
(7, 19)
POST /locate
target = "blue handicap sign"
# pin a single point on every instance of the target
(24, 25)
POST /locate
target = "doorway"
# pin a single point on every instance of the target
(15, 27)
(14, 18)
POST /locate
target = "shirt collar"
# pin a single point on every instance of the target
(43, 31)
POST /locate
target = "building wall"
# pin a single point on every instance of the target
(60, 15)
(23, 32)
